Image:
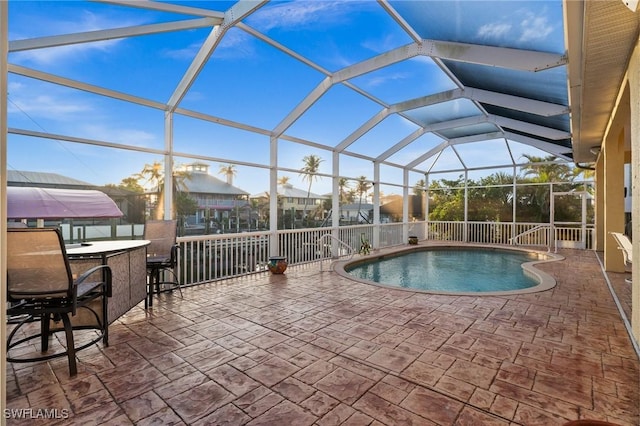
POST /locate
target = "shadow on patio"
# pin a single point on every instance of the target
(313, 348)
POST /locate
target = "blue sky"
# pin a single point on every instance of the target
(248, 81)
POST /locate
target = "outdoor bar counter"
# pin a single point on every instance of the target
(128, 262)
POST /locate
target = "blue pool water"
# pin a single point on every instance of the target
(449, 270)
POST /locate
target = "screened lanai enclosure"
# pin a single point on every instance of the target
(354, 104)
(304, 128)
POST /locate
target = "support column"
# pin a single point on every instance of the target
(168, 166)
(273, 197)
(4, 50)
(465, 232)
(614, 198)
(599, 208)
(376, 205)
(634, 83)
(405, 205)
(335, 204)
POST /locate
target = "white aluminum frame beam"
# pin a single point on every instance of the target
(400, 20)
(504, 57)
(165, 7)
(507, 101)
(403, 143)
(75, 84)
(551, 148)
(518, 103)
(235, 14)
(530, 128)
(363, 129)
(477, 138)
(347, 73)
(111, 34)
(428, 154)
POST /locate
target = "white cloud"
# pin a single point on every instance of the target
(388, 42)
(119, 135)
(493, 31)
(384, 78)
(293, 15)
(187, 53)
(53, 55)
(235, 44)
(13, 85)
(535, 27)
(46, 106)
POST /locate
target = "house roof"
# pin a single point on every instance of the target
(42, 179)
(356, 206)
(289, 191)
(203, 183)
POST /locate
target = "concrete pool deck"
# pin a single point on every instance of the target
(312, 348)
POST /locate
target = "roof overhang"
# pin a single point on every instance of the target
(600, 37)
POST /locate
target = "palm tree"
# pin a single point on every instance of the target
(153, 174)
(283, 180)
(546, 170)
(229, 171)
(419, 187)
(309, 173)
(343, 185)
(350, 195)
(362, 187)
(543, 170)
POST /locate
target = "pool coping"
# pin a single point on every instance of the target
(545, 281)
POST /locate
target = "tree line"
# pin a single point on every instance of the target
(492, 198)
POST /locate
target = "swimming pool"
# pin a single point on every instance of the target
(455, 270)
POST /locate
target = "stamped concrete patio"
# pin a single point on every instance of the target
(311, 348)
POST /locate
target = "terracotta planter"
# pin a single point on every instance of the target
(277, 264)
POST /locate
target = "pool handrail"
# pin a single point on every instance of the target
(352, 251)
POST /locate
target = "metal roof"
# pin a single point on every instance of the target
(203, 183)
(541, 74)
(288, 190)
(43, 179)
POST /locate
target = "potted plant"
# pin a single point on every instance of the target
(277, 264)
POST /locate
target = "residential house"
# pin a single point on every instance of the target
(354, 213)
(296, 203)
(222, 207)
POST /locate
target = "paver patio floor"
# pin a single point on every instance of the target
(312, 348)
